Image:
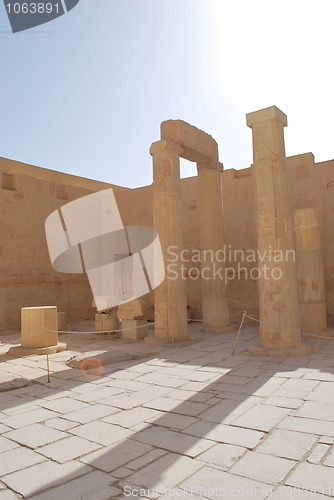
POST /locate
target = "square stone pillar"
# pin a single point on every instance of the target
(170, 302)
(215, 306)
(39, 331)
(279, 308)
(310, 271)
(134, 329)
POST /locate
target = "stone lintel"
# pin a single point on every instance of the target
(272, 113)
(163, 147)
(210, 164)
(197, 145)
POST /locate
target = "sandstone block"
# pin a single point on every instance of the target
(106, 321)
(135, 309)
(134, 329)
(39, 326)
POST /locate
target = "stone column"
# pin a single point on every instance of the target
(170, 301)
(39, 332)
(279, 309)
(310, 271)
(214, 290)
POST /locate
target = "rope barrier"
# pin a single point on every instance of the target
(254, 319)
(236, 340)
(15, 341)
(19, 339)
(141, 326)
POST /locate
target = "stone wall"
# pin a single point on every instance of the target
(29, 194)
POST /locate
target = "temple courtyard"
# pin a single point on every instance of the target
(144, 421)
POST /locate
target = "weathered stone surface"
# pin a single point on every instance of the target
(196, 144)
(135, 309)
(279, 317)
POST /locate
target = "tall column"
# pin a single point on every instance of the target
(215, 306)
(170, 301)
(310, 271)
(279, 310)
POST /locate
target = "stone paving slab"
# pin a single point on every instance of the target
(111, 458)
(223, 455)
(318, 453)
(261, 417)
(293, 492)
(88, 486)
(17, 459)
(8, 495)
(101, 432)
(90, 413)
(226, 434)
(330, 459)
(29, 417)
(264, 468)
(315, 478)
(213, 483)
(310, 425)
(194, 417)
(35, 435)
(68, 449)
(129, 418)
(173, 441)
(166, 472)
(287, 444)
(318, 410)
(44, 475)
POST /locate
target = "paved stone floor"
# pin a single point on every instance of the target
(177, 422)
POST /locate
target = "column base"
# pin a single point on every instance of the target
(259, 350)
(219, 329)
(19, 351)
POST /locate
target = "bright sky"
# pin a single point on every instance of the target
(86, 93)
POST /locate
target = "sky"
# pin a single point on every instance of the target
(86, 93)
